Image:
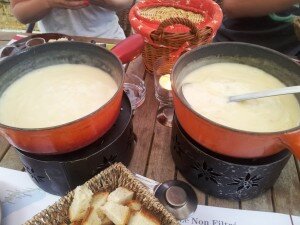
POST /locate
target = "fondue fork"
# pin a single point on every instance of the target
(263, 94)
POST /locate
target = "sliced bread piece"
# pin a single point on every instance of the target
(99, 199)
(118, 214)
(134, 205)
(143, 217)
(103, 217)
(91, 217)
(121, 195)
(80, 203)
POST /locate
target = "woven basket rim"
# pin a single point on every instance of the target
(167, 4)
(42, 218)
(188, 9)
(140, 15)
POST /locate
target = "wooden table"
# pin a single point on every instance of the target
(152, 156)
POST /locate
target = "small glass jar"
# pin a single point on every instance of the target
(135, 89)
(163, 91)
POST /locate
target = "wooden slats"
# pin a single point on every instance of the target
(143, 123)
(4, 146)
(222, 203)
(7, 36)
(261, 203)
(161, 166)
(2, 43)
(298, 167)
(286, 191)
(11, 160)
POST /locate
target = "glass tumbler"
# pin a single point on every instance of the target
(163, 91)
(135, 89)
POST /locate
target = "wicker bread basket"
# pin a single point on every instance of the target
(108, 180)
(174, 27)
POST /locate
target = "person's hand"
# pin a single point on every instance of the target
(68, 4)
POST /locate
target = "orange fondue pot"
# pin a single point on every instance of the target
(81, 132)
(225, 140)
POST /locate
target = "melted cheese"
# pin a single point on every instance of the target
(207, 90)
(55, 95)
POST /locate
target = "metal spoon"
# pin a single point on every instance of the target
(263, 94)
(178, 197)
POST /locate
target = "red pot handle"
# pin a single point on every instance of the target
(129, 49)
(292, 141)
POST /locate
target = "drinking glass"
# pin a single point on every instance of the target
(163, 90)
(135, 89)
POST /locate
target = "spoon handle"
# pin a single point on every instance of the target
(262, 94)
(149, 183)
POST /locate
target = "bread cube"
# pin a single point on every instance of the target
(143, 217)
(118, 214)
(134, 205)
(80, 203)
(121, 195)
(91, 217)
(99, 199)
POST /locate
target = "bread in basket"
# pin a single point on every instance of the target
(108, 180)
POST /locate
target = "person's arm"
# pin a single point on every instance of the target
(254, 8)
(113, 4)
(30, 11)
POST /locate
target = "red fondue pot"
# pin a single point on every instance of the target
(225, 140)
(81, 132)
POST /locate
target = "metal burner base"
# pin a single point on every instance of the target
(221, 176)
(59, 174)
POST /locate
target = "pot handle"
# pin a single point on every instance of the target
(292, 141)
(129, 49)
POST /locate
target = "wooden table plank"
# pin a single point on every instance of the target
(2, 43)
(7, 36)
(286, 191)
(161, 166)
(11, 160)
(98, 40)
(260, 203)
(143, 124)
(212, 201)
(4, 146)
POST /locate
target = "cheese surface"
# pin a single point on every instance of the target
(55, 95)
(207, 89)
